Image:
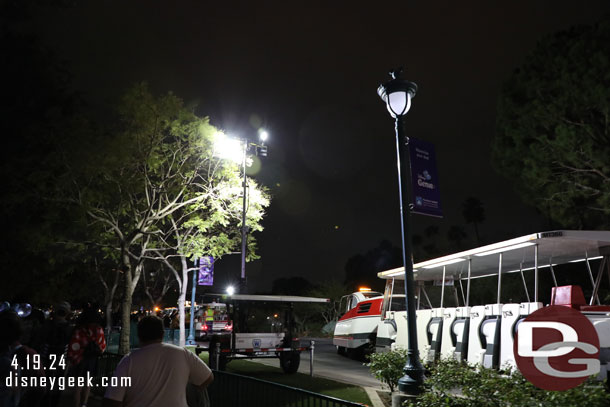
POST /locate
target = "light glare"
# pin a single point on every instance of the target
(228, 148)
(230, 290)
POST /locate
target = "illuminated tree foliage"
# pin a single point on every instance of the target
(151, 187)
(553, 127)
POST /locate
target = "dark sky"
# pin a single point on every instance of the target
(308, 71)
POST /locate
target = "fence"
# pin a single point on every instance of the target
(112, 338)
(230, 389)
(106, 364)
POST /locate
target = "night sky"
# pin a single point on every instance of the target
(308, 72)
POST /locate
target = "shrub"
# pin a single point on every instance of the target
(387, 366)
(455, 384)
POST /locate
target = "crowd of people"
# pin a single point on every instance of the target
(35, 347)
(68, 344)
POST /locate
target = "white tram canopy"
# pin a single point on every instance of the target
(273, 298)
(538, 250)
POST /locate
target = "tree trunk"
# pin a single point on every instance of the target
(166, 286)
(126, 306)
(181, 300)
(110, 300)
(108, 318)
(108, 296)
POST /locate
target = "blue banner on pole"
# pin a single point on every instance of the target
(426, 197)
(206, 271)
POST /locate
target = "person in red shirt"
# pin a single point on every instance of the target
(86, 345)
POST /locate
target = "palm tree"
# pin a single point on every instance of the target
(474, 212)
(456, 234)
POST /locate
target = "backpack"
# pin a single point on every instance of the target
(92, 350)
(57, 339)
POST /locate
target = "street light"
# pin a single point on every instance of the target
(397, 94)
(237, 151)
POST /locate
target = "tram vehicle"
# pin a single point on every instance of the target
(262, 327)
(451, 325)
(220, 322)
(357, 325)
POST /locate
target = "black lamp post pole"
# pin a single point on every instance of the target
(414, 371)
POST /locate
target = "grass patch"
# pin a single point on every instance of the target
(299, 380)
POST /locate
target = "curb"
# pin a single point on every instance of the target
(372, 393)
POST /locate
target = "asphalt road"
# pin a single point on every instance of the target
(330, 365)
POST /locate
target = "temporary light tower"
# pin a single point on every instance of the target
(236, 150)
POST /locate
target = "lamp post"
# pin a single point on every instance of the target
(397, 94)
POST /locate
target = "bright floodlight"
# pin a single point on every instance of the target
(263, 135)
(230, 290)
(228, 148)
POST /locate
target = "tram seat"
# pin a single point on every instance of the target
(475, 347)
(602, 327)
(529, 308)
(490, 335)
(422, 317)
(434, 332)
(525, 309)
(595, 308)
(459, 333)
(447, 343)
(511, 314)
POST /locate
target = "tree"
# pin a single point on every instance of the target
(553, 127)
(39, 108)
(333, 290)
(209, 226)
(457, 235)
(362, 269)
(156, 282)
(291, 286)
(474, 212)
(150, 176)
(109, 277)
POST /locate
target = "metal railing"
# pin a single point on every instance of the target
(112, 338)
(230, 389)
(106, 364)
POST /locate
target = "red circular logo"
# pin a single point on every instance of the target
(556, 348)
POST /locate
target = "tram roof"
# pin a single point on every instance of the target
(272, 298)
(554, 248)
